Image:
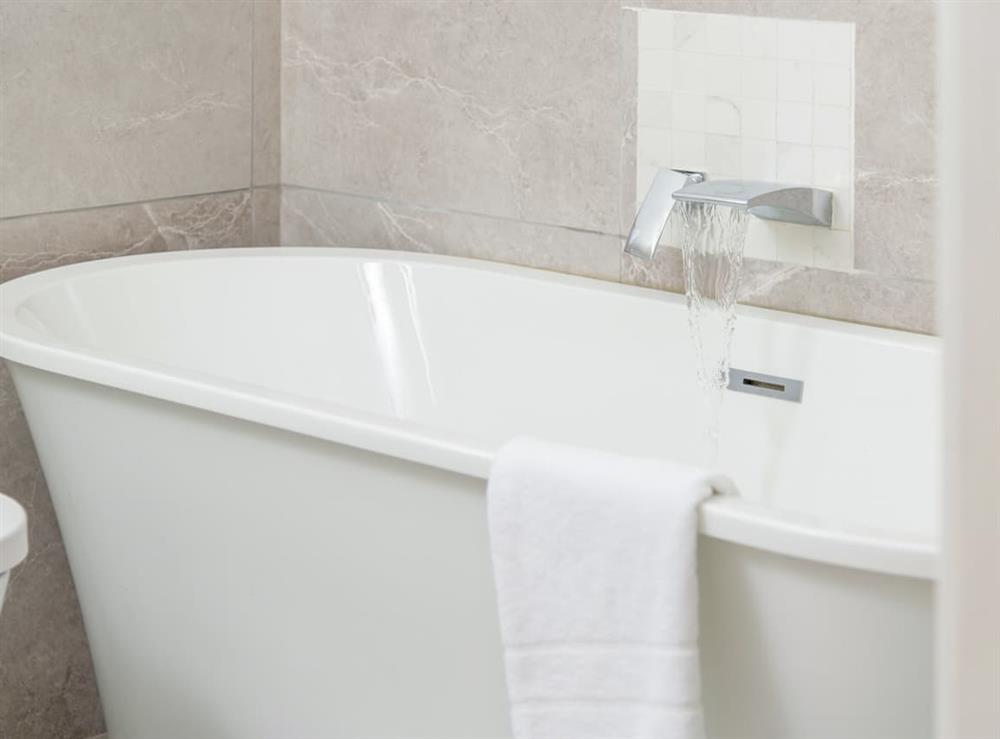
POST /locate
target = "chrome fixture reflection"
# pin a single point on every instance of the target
(655, 210)
(769, 200)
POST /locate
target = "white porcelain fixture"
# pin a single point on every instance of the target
(13, 540)
(268, 467)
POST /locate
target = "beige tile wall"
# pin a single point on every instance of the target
(150, 109)
(495, 108)
(515, 113)
(125, 127)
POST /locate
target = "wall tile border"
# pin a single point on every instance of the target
(321, 218)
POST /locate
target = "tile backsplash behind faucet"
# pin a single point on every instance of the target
(744, 97)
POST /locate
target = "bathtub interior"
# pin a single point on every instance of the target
(458, 350)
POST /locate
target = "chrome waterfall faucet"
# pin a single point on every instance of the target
(769, 200)
(656, 207)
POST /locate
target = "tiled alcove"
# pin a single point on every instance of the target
(742, 97)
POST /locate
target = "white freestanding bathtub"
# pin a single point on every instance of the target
(269, 470)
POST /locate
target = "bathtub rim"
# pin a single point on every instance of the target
(729, 519)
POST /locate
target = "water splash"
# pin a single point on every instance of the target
(712, 245)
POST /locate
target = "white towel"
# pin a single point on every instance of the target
(595, 562)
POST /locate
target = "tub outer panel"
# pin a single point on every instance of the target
(240, 581)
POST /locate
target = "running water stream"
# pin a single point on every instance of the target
(712, 246)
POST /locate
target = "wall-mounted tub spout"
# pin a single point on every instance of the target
(655, 210)
(769, 200)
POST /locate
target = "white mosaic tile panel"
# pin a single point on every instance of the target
(753, 98)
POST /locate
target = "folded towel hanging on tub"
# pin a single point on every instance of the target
(594, 557)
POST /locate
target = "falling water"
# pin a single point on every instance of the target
(712, 245)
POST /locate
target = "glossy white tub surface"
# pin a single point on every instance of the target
(268, 468)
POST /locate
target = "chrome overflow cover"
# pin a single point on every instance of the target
(770, 386)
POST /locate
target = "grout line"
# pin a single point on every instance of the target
(280, 100)
(253, 88)
(126, 203)
(253, 119)
(450, 211)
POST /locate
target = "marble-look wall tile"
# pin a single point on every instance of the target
(895, 157)
(314, 218)
(896, 213)
(629, 111)
(509, 109)
(32, 243)
(895, 88)
(266, 203)
(859, 297)
(266, 92)
(107, 101)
